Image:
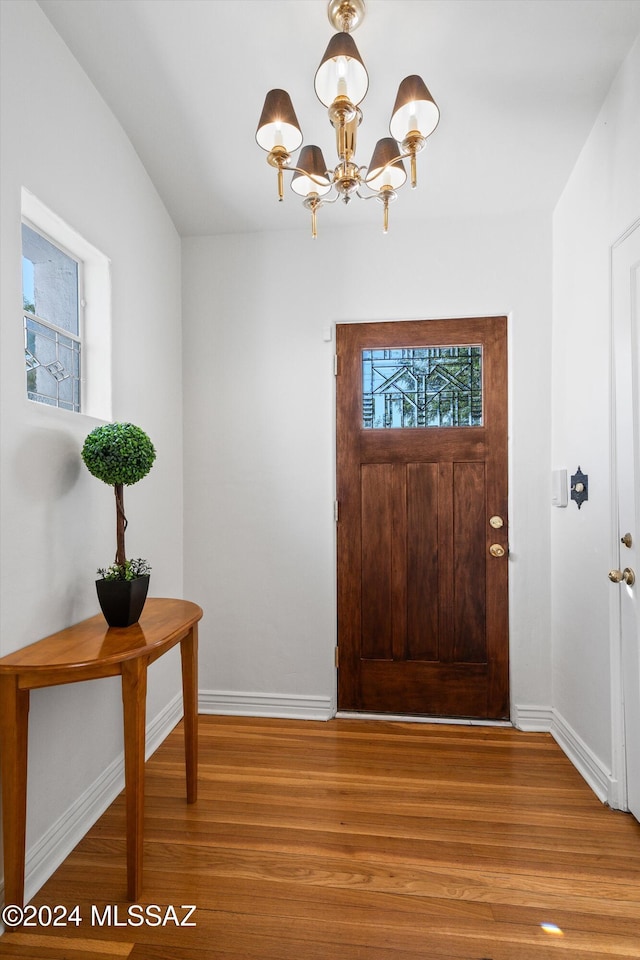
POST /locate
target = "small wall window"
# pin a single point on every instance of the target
(66, 299)
(52, 303)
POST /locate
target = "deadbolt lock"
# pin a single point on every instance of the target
(627, 539)
(496, 550)
(496, 522)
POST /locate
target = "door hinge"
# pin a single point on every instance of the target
(335, 364)
(336, 510)
(337, 657)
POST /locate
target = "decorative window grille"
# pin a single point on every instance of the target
(422, 387)
(51, 300)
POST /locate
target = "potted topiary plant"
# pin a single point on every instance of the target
(120, 454)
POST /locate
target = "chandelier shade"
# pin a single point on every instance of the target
(311, 177)
(415, 110)
(341, 72)
(278, 125)
(386, 168)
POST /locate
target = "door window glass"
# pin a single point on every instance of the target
(422, 387)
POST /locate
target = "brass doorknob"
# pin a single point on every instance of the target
(496, 550)
(617, 576)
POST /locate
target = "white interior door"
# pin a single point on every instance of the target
(626, 334)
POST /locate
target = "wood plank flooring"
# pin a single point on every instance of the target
(363, 840)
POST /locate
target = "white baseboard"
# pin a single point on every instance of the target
(583, 758)
(46, 855)
(285, 706)
(160, 728)
(541, 719)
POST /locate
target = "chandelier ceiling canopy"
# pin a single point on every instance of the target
(341, 84)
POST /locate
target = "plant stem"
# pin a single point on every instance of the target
(121, 524)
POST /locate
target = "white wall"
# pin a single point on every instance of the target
(60, 141)
(260, 434)
(600, 201)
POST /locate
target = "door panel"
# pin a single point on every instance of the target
(422, 466)
(422, 561)
(378, 543)
(469, 564)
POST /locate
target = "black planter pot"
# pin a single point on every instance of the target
(122, 601)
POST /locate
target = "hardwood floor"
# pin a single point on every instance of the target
(357, 840)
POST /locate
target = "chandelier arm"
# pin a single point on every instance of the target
(325, 200)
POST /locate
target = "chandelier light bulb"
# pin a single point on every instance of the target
(341, 66)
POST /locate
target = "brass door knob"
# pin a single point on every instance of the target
(617, 576)
(496, 550)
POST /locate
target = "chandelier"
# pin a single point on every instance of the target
(341, 84)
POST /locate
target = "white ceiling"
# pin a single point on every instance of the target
(518, 82)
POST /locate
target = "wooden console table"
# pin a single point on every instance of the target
(88, 651)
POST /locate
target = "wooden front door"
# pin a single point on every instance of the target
(422, 517)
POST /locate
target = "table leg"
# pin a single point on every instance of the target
(14, 729)
(189, 655)
(134, 699)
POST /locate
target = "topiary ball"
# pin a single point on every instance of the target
(118, 453)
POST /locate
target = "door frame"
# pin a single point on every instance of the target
(618, 783)
(510, 505)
